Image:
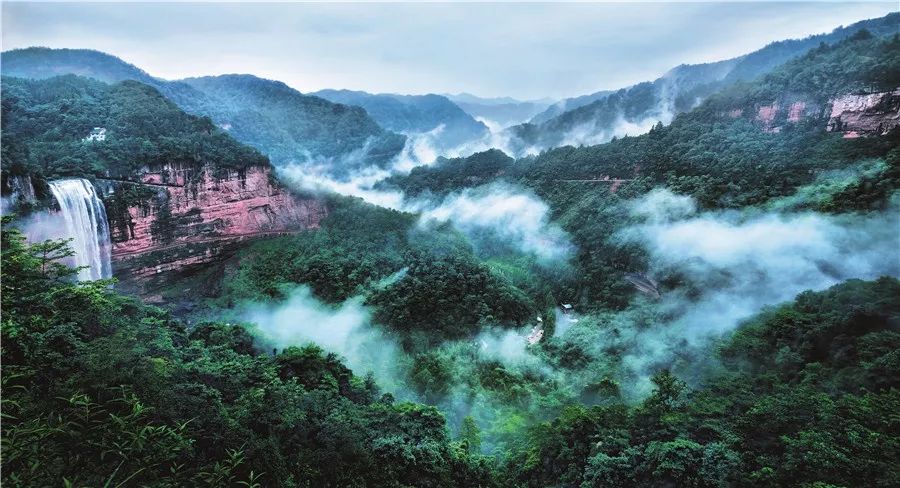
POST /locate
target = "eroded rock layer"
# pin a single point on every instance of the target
(170, 218)
(865, 114)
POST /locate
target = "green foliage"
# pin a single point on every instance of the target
(99, 390)
(291, 127)
(680, 89)
(449, 296)
(271, 117)
(49, 120)
(416, 279)
(720, 161)
(802, 398)
(446, 175)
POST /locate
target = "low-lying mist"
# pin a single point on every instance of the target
(500, 214)
(345, 329)
(494, 216)
(729, 266)
(716, 269)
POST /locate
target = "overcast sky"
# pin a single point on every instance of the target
(520, 50)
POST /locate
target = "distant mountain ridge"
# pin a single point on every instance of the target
(283, 123)
(414, 114)
(598, 117)
(505, 111)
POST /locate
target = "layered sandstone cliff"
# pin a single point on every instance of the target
(170, 218)
(853, 115)
(865, 114)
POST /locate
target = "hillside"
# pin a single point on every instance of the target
(277, 120)
(292, 127)
(711, 303)
(50, 121)
(743, 147)
(414, 114)
(179, 192)
(599, 117)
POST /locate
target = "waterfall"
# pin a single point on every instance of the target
(86, 224)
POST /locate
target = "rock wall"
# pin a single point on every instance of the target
(854, 115)
(865, 114)
(170, 218)
(773, 117)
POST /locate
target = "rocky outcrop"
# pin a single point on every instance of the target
(854, 115)
(865, 114)
(773, 117)
(766, 115)
(170, 218)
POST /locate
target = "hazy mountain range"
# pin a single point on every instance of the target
(598, 117)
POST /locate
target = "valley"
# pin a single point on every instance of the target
(222, 281)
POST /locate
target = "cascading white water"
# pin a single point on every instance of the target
(86, 224)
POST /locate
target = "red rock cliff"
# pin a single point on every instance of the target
(865, 114)
(854, 115)
(186, 217)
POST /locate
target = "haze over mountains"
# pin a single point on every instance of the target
(598, 117)
(502, 111)
(381, 290)
(268, 115)
(414, 114)
(324, 128)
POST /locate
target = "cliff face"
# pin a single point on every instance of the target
(170, 218)
(854, 115)
(866, 114)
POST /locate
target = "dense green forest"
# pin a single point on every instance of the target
(595, 117)
(720, 161)
(267, 115)
(47, 122)
(291, 127)
(99, 389)
(703, 326)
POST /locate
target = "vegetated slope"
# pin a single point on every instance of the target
(567, 104)
(414, 114)
(292, 127)
(804, 396)
(179, 191)
(720, 158)
(275, 119)
(446, 291)
(449, 174)
(46, 124)
(805, 392)
(599, 117)
(99, 389)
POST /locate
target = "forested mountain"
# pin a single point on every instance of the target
(47, 124)
(290, 126)
(721, 159)
(567, 104)
(87, 371)
(277, 120)
(805, 394)
(414, 114)
(713, 303)
(599, 117)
